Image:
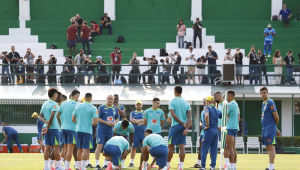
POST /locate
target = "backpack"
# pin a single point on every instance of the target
(120, 39)
(53, 46)
(163, 52)
(124, 81)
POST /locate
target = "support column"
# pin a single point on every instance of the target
(110, 8)
(286, 117)
(196, 10)
(24, 10)
(276, 6)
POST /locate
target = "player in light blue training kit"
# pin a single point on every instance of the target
(157, 147)
(121, 108)
(181, 117)
(83, 116)
(64, 115)
(268, 33)
(154, 117)
(40, 125)
(269, 121)
(51, 126)
(9, 134)
(233, 113)
(136, 118)
(108, 118)
(116, 149)
(124, 128)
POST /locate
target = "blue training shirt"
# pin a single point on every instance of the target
(214, 115)
(138, 129)
(8, 130)
(267, 118)
(40, 125)
(270, 36)
(285, 13)
(107, 114)
(233, 111)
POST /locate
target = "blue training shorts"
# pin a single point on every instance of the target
(161, 154)
(176, 135)
(84, 140)
(232, 132)
(138, 139)
(102, 138)
(268, 136)
(52, 137)
(114, 152)
(40, 136)
(68, 136)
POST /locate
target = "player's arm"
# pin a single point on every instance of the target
(74, 119)
(116, 121)
(154, 160)
(276, 117)
(58, 117)
(5, 137)
(133, 120)
(124, 154)
(175, 117)
(141, 122)
(169, 120)
(5, 124)
(115, 134)
(145, 121)
(162, 122)
(189, 120)
(206, 117)
(42, 118)
(239, 116)
(143, 155)
(131, 140)
(121, 112)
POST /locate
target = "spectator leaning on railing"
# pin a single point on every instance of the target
(105, 23)
(212, 57)
(39, 66)
(190, 61)
(177, 61)
(79, 59)
(14, 58)
(20, 69)
(289, 62)
(253, 68)
(238, 56)
(116, 58)
(101, 67)
(277, 61)
(153, 62)
(167, 65)
(261, 59)
(71, 37)
(29, 56)
(201, 62)
(286, 15)
(85, 34)
(69, 68)
(5, 66)
(181, 31)
(135, 69)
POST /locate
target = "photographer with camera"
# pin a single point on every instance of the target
(52, 69)
(212, 57)
(197, 27)
(238, 65)
(5, 66)
(134, 69)
(14, 59)
(116, 58)
(39, 66)
(30, 65)
(89, 68)
(167, 69)
(253, 68)
(69, 69)
(20, 68)
(79, 59)
(201, 62)
(100, 64)
(228, 56)
(190, 61)
(152, 61)
(176, 58)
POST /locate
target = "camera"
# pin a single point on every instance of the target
(202, 57)
(162, 60)
(38, 60)
(146, 58)
(4, 52)
(227, 53)
(118, 51)
(70, 57)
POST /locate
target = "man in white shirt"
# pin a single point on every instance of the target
(79, 59)
(191, 61)
(228, 56)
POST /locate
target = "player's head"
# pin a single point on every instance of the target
(52, 93)
(209, 100)
(264, 92)
(148, 132)
(63, 98)
(116, 98)
(156, 102)
(125, 124)
(75, 94)
(58, 98)
(177, 90)
(138, 105)
(35, 115)
(230, 95)
(88, 97)
(109, 99)
(241, 119)
(204, 102)
(218, 97)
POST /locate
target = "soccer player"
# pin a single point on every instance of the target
(232, 128)
(123, 129)
(269, 121)
(108, 117)
(157, 147)
(181, 117)
(64, 117)
(268, 33)
(121, 108)
(136, 118)
(83, 116)
(210, 137)
(154, 117)
(115, 149)
(40, 125)
(2, 123)
(50, 131)
(10, 134)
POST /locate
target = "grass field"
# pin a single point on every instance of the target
(34, 161)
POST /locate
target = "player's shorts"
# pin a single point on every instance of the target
(84, 140)
(61, 143)
(52, 137)
(268, 136)
(201, 137)
(232, 132)
(40, 136)
(102, 138)
(176, 135)
(161, 154)
(138, 139)
(125, 137)
(68, 136)
(114, 152)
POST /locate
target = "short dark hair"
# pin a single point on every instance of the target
(155, 99)
(263, 88)
(74, 92)
(153, 56)
(87, 95)
(116, 95)
(217, 92)
(64, 97)
(51, 92)
(125, 123)
(231, 92)
(178, 89)
(85, 22)
(197, 18)
(93, 22)
(260, 49)
(149, 131)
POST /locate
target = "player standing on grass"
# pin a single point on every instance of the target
(64, 117)
(154, 117)
(123, 129)
(108, 117)
(232, 128)
(181, 117)
(40, 125)
(121, 108)
(83, 116)
(136, 118)
(269, 121)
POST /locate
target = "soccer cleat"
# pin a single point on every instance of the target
(104, 167)
(98, 167)
(225, 167)
(268, 169)
(75, 167)
(89, 166)
(52, 168)
(68, 169)
(197, 166)
(123, 166)
(109, 166)
(212, 169)
(153, 166)
(202, 169)
(269, 56)
(131, 165)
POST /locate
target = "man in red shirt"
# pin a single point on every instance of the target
(71, 37)
(116, 58)
(95, 30)
(85, 34)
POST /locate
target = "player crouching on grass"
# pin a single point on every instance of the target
(157, 147)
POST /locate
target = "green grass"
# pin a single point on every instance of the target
(34, 161)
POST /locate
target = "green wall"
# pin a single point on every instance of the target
(65, 9)
(293, 5)
(9, 10)
(236, 10)
(153, 9)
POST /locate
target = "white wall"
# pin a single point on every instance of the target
(24, 9)
(276, 6)
(110, 8)
(196, 10)
(286, 116)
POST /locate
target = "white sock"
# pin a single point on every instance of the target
(122, 161)
(46, 164)
(227, 161)
(234, 165)
(178, 160)
(97, 162)
(180, 165)
(145, 164)
(55, 164)
(168, 164)
(231, 165)
(67, 164)
(199, 162)
(271, 166)
(62, 159)
(113, 166)
(88, 162)
(51, 163)
(77, 164)
(105, 163)
(83, 164)
(59, 164)
(132, 160)
(41, 151)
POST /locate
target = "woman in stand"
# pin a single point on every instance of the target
(277, 61)
(181, 31)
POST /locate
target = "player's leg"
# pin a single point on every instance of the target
(9, 138)
(161, 155)
(269, 140)
(265, 47)
(229, 145)
(235, 153)
(204, 151)
(86, 146)
(136, 141)
(76, 163)
(270, 48)
(181, 155)
(100, 142)
(198, 164)
(214, 150)
(40, 141)
(114, 154)
(16, 139)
